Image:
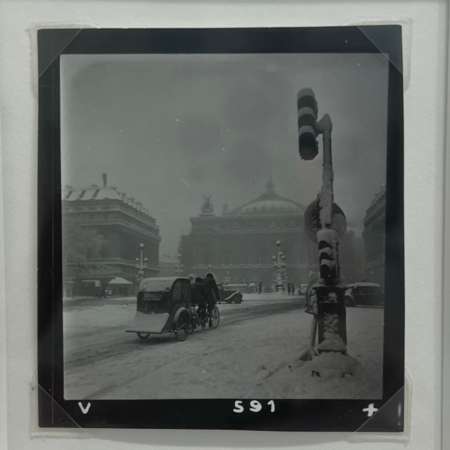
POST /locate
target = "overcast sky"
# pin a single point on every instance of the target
(169, 129)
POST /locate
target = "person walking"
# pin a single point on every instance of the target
(213, 294)
(200, 298)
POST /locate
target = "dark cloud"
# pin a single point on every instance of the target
(170, 128)
(248, 161)
(250, 108)
(199, 135)
(197, 173)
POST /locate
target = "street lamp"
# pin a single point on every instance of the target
(279, 265)
(283, 271)
(141, 263)
(180, 268)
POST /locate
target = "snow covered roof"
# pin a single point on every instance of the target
(104, 192)
(158, 283)
(269, 203)
(364, 284)
(119, 280)
(93, 192)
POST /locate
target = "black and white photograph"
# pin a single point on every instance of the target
(184, 201)
(223, 226)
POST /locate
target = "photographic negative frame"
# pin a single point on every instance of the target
(281, 414)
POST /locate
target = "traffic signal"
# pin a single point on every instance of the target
(307, 119)
(312, 222)
(328, 258)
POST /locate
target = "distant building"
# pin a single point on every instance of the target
(238, 245)
(352, 260)
(102, 232)
(374, 238)
(169, 269)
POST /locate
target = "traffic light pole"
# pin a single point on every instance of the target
(327, 296)
(325, 126)
(330, 321)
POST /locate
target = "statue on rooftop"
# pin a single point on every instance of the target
(207, 206)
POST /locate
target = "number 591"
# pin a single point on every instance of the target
(254, 406)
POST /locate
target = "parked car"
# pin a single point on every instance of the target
(232, 296)
(362, 293)
(246, 288)
(228, 294)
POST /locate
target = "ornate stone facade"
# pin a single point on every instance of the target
(102, 231)
(374, 238)
(238, 245)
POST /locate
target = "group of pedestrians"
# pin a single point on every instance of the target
(290, 288)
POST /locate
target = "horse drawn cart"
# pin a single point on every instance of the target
(168, 305)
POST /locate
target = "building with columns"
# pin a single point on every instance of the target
(374, 238)
(103, 232)
(239, 244)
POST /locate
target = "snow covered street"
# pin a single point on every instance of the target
(253, 353)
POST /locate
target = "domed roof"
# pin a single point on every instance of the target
(269, 203)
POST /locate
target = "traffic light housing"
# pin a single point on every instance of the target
(328, 255)
(307, 124)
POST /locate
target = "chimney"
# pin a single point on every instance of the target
(105, 179)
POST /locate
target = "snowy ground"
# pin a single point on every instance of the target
(253, 353)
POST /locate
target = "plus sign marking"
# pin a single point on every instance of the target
(370, 410)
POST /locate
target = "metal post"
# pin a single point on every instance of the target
(141, 263)
(327, 195)
(278, 266)
(180, 268)
(329, 294)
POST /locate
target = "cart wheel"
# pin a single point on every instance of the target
(191, 326)
(203, 320)
(194, 322)
(215, 317)
(182, 327)
(143, 336)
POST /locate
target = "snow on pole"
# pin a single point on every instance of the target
(326, 195)
(330, 314)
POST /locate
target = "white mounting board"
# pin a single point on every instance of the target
(425, 64)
